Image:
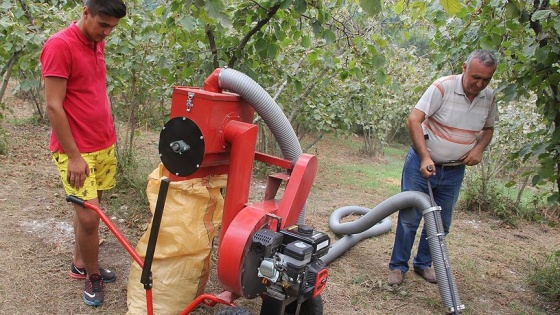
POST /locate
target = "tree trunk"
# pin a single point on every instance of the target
(7, 70)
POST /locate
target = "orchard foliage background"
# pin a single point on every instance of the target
(333, 66)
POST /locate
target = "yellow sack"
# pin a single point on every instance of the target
(191, 218)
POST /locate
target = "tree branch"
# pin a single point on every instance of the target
(285, 83)
(536, 25)
(308, 90)
(212, 43)
(26, 11)
(271, 12)
(8, 71)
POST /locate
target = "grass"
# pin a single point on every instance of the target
(34, 120)
(492, 196)
(374, 179)
(381, 176)
(3, 142)
(545, 276)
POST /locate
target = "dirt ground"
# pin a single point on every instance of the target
(490, 261)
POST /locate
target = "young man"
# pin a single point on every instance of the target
(83, 133)
(450, 127)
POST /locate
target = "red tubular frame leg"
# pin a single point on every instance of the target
(126, 245)
(206, 299)
(243, 138)
(116, 232)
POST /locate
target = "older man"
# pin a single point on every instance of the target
(450, 127)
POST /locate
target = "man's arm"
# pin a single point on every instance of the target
(414, 124)
(55, 90)
(474, 156)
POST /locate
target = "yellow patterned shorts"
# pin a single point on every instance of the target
(102, 170)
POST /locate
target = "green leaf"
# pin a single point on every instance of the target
(298, 85)
(216, 10)
(188, 22)
(306, 42)
(159, 11)
(285, 4)
(509, 92)
(329, 36)
(541, 15)
(279, 33)
(380, 77)
(377, 61)
(312, 56)
(529, 50)
(554, 79)
(510, 184)
(487, 43)
(399, 7)
(300, 6)
(552, 199)
(540, 149)
(260, 44)
(451, 7)
(6, 5)
(512, 11)
(317, 27)
(536, 180)
(272, 51)
(371, 7)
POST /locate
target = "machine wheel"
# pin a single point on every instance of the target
(312, 306)
(233, 310)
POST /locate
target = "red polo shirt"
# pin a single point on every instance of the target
(68, 54)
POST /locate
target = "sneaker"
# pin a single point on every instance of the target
(93, 292)
(80, 273)
(396, 277)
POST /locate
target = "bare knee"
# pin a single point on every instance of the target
(87, 220)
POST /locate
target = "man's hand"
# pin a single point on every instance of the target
(78, 171)
(473, 157)
(427, 168)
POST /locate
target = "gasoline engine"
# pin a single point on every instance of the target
(289, 263)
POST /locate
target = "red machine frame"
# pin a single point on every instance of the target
(225, 122)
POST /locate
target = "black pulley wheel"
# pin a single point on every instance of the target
(181, 146)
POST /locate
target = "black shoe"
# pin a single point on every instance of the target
(93, 291)
(80, 273)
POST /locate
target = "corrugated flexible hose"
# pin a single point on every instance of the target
(268, 110)
(435, 234)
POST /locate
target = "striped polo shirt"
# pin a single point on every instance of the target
(453, 122)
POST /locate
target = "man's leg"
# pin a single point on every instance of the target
(102, 170)
(407, 225)
(446, 186)
(86, 231)
(408, 220)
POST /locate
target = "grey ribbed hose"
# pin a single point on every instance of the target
(266, 107)
(392, 204)
(438, 248)
(268, 110)
(368, 225)
(373, 222)
(343, 244)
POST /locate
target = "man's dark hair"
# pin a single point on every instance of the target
(114, 8)
(486, 57)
